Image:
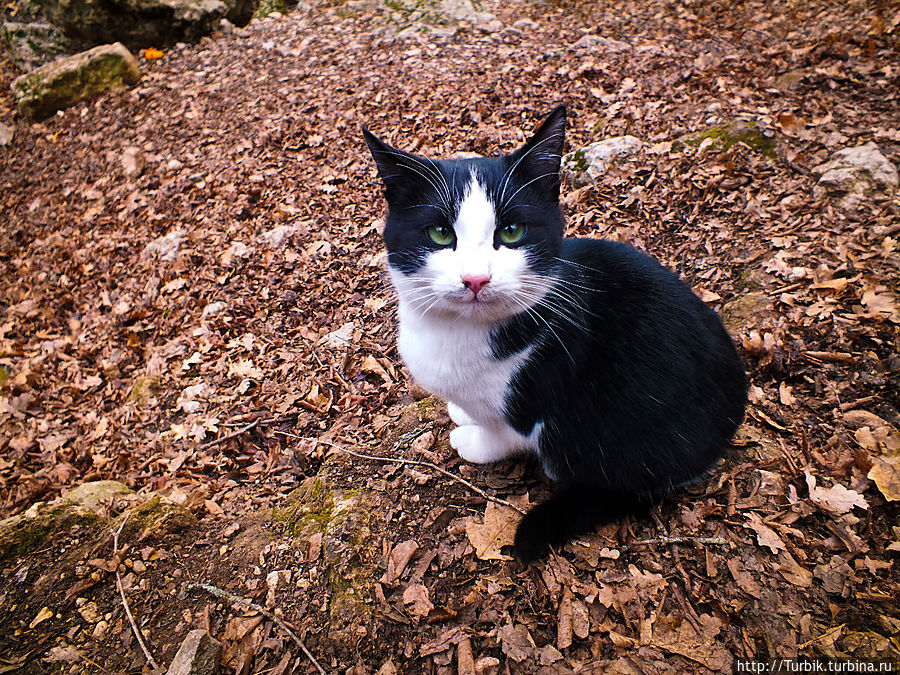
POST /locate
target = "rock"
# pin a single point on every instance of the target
(91, 494)
(136, 23)
(199, 654)
(856, 174)
(457, 11)
(213, 309)
(342, 337)
(268, 7)
(6, 134)
(28, 531)
(164, 248)
(235, 253)
(75, 78)
(585, 165)
(31, 45)
(278, 235)
(133, 162)
(595, 43)
(725, 136)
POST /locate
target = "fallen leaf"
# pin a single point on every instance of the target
(836, 499)
(43, 615)
(398, 560)
(416, 599)
(496, 530)
(516, 642)
(151, 54)
(885, 472)
(765, 535)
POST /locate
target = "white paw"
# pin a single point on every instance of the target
(472, 444)
(458, 415)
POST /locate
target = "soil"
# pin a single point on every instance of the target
(228, 371)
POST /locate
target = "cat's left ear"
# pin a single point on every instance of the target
(539, 159)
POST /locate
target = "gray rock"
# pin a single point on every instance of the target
(31, 45)
(133, 162)
(136, 23)
(601, 44)
(6, 134)
(199, 654)
(75, 78)
(857, 174)
(91, 494)
(585, 165)
(213, 309)
(164, 248)
(278, 235)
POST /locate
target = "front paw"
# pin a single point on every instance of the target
(472, 444)
(458, 415)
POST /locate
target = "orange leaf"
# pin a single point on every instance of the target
(151, 54)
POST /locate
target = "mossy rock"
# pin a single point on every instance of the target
(745, 311)
(349, 521)
(71, 79)
(26, 532)
(156, 519)
(267, 7)
(726, 136)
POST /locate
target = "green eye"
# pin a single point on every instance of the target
(512, 233)
(441, 235)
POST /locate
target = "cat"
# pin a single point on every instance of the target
(585, 352)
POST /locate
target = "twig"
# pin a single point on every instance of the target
(134, 626)
(219, 593)
(712, 541)
(242, 430)
(417, 462)
(829, 633)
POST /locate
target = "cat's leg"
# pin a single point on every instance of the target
(483, 444)
(458, 415)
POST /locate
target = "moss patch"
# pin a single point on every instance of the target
(726, 136)
(25, 533)
(156, 519)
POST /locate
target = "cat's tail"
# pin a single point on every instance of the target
(573, 510)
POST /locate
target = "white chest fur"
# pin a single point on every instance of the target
(453, 359)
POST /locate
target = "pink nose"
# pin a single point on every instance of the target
(475, 282)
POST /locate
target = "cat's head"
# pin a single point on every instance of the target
(473, 239)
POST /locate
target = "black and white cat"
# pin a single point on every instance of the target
(585, 352)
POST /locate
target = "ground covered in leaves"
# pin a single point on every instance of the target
(193, 302)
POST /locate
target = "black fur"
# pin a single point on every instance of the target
(636, 382)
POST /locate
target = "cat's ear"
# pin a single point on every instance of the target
(539, 159)
(404, 175)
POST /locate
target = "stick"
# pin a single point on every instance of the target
(242, 430)
(134, 626)
(712, 541)
(219, 593)
(430, 465)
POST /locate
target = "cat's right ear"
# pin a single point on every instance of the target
(401, 172)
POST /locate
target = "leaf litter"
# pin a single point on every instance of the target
(215, 325)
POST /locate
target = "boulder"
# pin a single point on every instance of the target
(585, 165)
(725, 136)
(75, 78)
(855, 174)
(136, 23)
(31, 45)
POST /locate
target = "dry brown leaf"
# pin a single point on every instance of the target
(496, 530)
(398, 560)
(885, 472)
(516, 642)
(564, 621)
(792, 571)
(837, 499)
(678, 636)
(765, 535)
(416, 599)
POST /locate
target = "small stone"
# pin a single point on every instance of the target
(213, 309)
(70, 79)
(133, 162)
(90, 613)
(856, 174)
(199, 654)
(6, 134)
(587, 164)
(278, 235)
(100, 630)
(164, 248)
(601, 44)
(342, 337)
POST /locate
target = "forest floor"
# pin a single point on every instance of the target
(193, 302)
